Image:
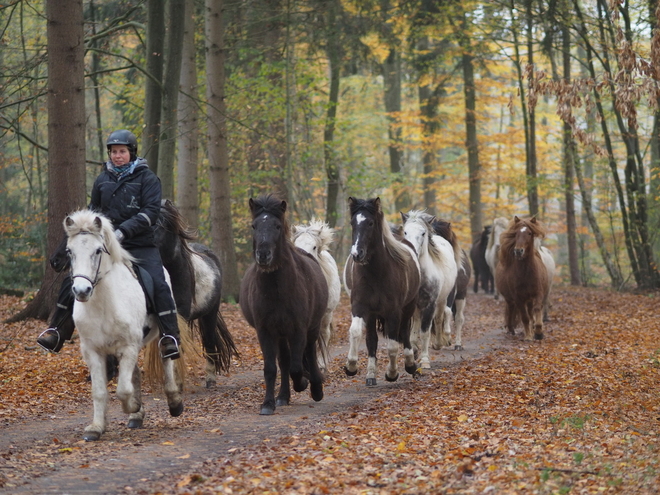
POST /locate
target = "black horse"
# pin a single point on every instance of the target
(482, 271)
(196, 276)
(284, 296)
(382, 277)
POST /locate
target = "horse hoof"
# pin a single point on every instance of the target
(210, 383)
(135, 423)
(426, 364)
(458, 347)
(267, 410)
(411, 370)
(281, 402)
(317, 392)
(349, 372)
(393, 379)
(538, 336)
(302, 386)
(91, 436)
(371, 382)
(176, 410)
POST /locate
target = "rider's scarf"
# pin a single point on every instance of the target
(122, 171)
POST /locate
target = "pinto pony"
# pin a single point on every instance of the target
(196, 275)
(284, 296)
(522, 277)
(315, 238)
(438, 270)
(110, 313)
(382, 277)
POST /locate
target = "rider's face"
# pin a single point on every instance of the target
(119, 155)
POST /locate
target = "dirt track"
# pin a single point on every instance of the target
(47, 455)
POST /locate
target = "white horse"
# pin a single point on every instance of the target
(438, 276)
(549, 262)
(110, 313)
(316, 238)
(493, 249)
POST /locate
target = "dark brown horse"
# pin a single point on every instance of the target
(482, 273)
(284, 296)
(522, 277)
(382, 277)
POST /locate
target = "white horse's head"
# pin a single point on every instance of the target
(313, 238)
(93, 249)
(417, 230)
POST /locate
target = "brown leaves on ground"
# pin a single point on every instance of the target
(577, 412)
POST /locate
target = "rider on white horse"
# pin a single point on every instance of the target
(129, 194)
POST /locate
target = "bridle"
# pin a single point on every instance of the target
(97, 279)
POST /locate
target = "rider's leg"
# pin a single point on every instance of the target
(61, 324)
(149, 259)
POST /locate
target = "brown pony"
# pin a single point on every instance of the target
(284, 296)
(521, 277)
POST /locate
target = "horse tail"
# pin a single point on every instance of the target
(153, 364)
(218, 343)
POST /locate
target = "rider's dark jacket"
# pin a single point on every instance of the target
(132, 203)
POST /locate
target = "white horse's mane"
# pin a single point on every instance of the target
(500, 224)
(317, 229)
(88, 221)
(422, 218)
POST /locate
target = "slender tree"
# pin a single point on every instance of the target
(153, 86)
(188, 115)
(66, 133)
(219, 178)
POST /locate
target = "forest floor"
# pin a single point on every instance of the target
(578, 412)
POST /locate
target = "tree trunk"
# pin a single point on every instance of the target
(471, 142)
(569, 167)
(66, 134)
(188, 115)
(153, 86)
(333, 49)
(392, 82)
(171, 81)
(532, 187)
(219, 179)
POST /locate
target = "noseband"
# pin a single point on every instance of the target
(98, 266)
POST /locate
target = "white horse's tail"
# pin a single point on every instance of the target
(153, 364)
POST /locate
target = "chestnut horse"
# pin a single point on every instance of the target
(521, 276)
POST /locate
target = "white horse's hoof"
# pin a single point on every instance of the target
(91, 436)
(426, 364)
(135, 423)
(371, 382)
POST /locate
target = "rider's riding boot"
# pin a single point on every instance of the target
(169, 340)
(61, 329)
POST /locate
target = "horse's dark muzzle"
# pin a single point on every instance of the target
(519, 253)
(263, 258)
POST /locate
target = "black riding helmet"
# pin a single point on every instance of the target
(124, 137)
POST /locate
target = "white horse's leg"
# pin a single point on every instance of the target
(97, 371)
(354, 337)
(326, 334)
(424, 341)
(136, 419)
(460, 320)
(392, 373)
(172, 384)
(415, 326)
(125, 389)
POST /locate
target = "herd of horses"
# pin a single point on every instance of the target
(406, 282)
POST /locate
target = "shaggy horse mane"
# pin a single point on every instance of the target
(394, 248)
(424, 219)
(317, 229)
(508, 237)
(501, 222)
(85, 222)
(444, 230)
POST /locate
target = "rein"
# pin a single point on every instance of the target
(97, 279)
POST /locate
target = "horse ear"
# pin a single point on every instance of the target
(97, 223)
(533, 219)
(404, 216)
(516, 219)
(251, 204)
(283, 206)
(68, 221)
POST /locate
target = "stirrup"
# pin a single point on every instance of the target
(170, 351)
(48, 332)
